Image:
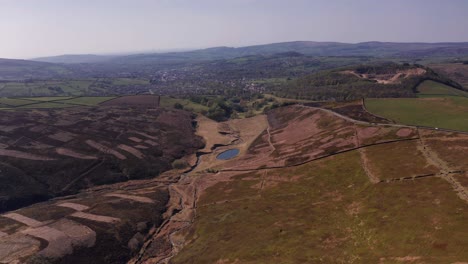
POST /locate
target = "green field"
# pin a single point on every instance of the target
(48, 88)
(87, 100)
(438, 106)
(47, 99)
(435, 89)
(12, 102)
(167, 101)
(50, 102)
(44, 105)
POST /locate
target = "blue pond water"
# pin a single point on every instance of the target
(228, 154)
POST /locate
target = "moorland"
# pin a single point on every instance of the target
(343, 153)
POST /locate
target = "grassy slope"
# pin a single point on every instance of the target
(441, 106)
(435, 89)
(332, 214)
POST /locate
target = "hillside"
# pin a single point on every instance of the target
(24, 69)
(307, 185)
(362, 81)
(312, 186)
(377, 49)
(456, 71)
(81, 58)
(144, 65)
(87, 147)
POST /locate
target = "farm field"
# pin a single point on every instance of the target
(440, 106)
(435, 89)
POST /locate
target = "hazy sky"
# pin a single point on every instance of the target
(31, 28)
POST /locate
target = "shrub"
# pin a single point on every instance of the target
(178, 106)
(179, 164)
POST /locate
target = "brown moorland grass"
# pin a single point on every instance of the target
(462, 178)
(397, 160)
(297, 134)
(373, 134)
(331, 214)
(452, 149)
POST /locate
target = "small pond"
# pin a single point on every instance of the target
(228, 154)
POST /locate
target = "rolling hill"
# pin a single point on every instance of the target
(71, 58)
(373, 48)
(26, 69)
(88, 65)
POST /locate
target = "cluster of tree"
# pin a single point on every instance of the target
(221, 108)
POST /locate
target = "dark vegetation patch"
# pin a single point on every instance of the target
(169, 135)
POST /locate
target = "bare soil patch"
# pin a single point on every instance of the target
(74, 206)
(140, 199)
(74, 154)
(23, 155)
(135, 152)
(97, 218)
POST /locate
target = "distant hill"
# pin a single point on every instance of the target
(85, 58)
(146, 64)
(375, 49)
(25, 69)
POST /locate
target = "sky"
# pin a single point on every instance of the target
(35, 28)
